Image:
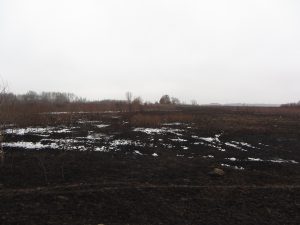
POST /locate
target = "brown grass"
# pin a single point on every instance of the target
(157, 120)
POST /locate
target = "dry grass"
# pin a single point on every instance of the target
(157, 120)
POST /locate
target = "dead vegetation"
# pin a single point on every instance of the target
(145, 120)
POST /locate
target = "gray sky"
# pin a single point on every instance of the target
(211, 51)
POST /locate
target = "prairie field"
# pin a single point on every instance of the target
(153, 167)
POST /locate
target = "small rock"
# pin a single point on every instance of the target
(216, 172)
(1, 186)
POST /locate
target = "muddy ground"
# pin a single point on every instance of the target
(113, 168)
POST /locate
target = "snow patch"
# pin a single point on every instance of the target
(149, 130)
(273, 160)
(162, 130)
(123, 142)
(231, 159)
(101, 149)
(214, 139)
(255, 159)
(172, 124)
(138, 152)
(244, 144)
(283, 161)
(233, 167)
(235, 146)
(30, 145)
(96, 136)
(178, 140)
(102, 125)
(29, 130)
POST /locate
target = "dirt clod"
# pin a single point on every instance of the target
(216, 172)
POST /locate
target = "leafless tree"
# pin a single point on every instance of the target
(194, 102)
(129, 97)
(175, 101)
(129, 100)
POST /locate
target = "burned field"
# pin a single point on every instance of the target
(154, 167)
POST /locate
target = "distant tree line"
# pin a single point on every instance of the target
(63, 98)
(46, 97)
(296, 104)
(15, 106)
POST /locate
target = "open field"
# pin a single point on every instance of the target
(153, 167)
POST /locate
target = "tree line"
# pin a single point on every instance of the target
(65, 98)
(46, 97)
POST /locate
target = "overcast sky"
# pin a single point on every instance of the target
(211, 51)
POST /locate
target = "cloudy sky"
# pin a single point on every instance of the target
(208, 50)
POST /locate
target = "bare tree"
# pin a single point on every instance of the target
(31, 96)
(129, 97)
(194, 102)
(129, 100)
(175, 101)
